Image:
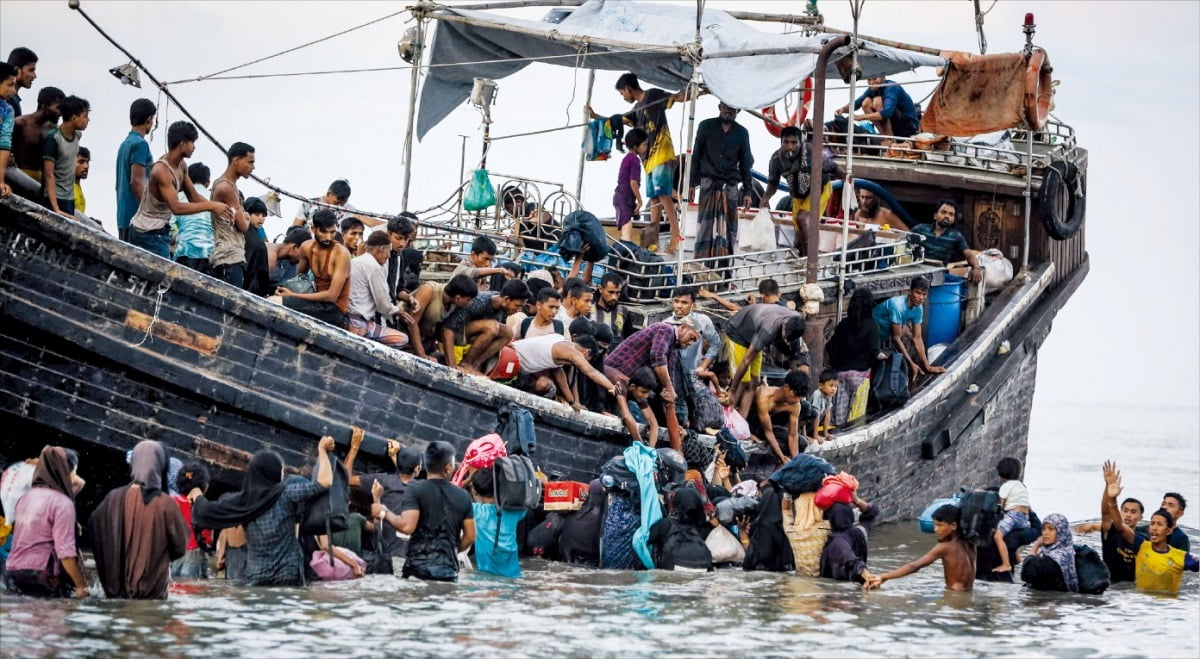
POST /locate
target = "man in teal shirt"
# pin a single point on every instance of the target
(133, 163)
(899, 322)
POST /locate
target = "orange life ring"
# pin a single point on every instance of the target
(775, 127)
(1039, 89)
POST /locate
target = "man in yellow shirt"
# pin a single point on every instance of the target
(83, 162)
(1158, 566)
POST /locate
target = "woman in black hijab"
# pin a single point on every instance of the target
(138, 530)
(845, 555)
(579, 542)
(269, 507)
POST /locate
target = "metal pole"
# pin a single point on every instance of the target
(418, 54)
(692, 87)
(818, 156)
(1028, 198)
(848, 186)
(586, 128)
(462, 173)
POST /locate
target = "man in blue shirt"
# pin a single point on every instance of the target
(133, 163)
(944, 243)
(899, 322)
(888, 106)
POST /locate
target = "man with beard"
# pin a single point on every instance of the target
(945, 243)
(793, 163)
(330, 265)
(83, 163)
(722, 161)
(228, 258)
(150, 226)
(871, 211)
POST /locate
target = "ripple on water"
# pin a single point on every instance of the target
(565, 611)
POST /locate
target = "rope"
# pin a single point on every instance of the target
(537, 132)
(295, 48)
(406, 67)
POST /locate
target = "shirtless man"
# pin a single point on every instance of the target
(542, 359)
(29, 131)
(330, 265)
(432, 303)
(957, 555)
(871, 211)
(228, 258)
(775, 400)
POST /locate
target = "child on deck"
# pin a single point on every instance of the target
(822, 402)
(627, 198)
(1014, 499)
(956, 553)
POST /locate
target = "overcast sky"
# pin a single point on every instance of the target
(1130, 86)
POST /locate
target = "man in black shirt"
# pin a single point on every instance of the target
(408, 467)
(436, 513)
(722, 162)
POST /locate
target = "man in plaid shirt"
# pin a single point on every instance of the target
(656, 346)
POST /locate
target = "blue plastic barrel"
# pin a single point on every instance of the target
(945, 310)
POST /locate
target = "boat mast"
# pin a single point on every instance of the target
(1029, 28)
(692, 86)
(811, 235)
(586, 128)
(418, 12)
(856, 7)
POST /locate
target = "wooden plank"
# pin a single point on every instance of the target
(172, 333)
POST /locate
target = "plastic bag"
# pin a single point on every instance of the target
(760, 235)
(735, 423)
(724, 546)
(335, 570)
(480, 193)
(997, 270)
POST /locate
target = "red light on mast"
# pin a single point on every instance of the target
(1029, 19)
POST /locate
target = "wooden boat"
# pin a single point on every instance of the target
(103, 345)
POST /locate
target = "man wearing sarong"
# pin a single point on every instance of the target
(721, 162)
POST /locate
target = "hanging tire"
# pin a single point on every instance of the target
(1062, 201)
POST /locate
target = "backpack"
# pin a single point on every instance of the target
(514, 424)
(649, 276)
(582, 236)
(528, 322)
(889, 382)
(543, 538)
(802, 474)
(329, 511)
(617, 477)
(517, 486)
(735, 456)
(1092, 572)
(979, 514)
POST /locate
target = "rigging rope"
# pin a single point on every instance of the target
(295, 48)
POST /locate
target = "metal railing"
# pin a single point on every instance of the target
(1057, 140)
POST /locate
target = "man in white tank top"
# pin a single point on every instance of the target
(542, 359)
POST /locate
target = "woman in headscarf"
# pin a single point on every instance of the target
(138, 530)
(852, 352)
(1056, 544)
(44, 548)
(579, 542)
(845, 555)
(269, 507)
(678, 539)
(768, 549)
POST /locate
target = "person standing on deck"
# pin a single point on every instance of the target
(228, 259)
(650, 114)
(25, 62)
(31, 129)
(59, 148)
(150, 226)
(721, 162)
(193, 232)
(133, 163)
(793, 163)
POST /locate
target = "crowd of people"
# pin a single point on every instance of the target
(435, 515)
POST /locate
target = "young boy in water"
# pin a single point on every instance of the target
(1014, 499)
(957, 555)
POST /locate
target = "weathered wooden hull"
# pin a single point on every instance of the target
(103, 345)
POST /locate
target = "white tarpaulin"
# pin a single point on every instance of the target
(661, 50)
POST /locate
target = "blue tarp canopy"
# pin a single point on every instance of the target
(654, 41)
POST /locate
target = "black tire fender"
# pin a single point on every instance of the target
(1062, 201)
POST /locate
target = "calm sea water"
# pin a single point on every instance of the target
(556, 610)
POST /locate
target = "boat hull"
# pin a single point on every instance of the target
(103, 345)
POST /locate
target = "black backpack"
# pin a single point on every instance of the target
(517, 486)
(543, 538)
(528, 322)
(1092, 572)
(979, 513)
(617, 477)
(514, 424)
(329, 511)
(889, 382)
